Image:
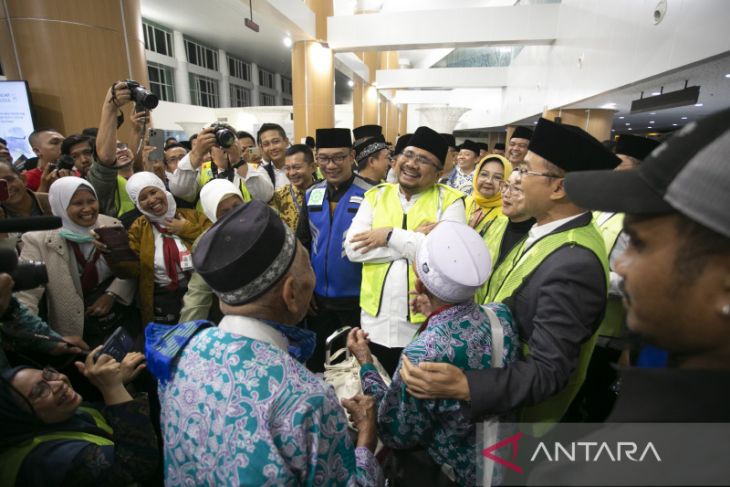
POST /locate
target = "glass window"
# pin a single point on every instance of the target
(267, 100)
(204, 91)
(157, 39)
(239, 69)
(240, 96)
(266, 78)
(200, 55)
(286, 85)
(161, 81)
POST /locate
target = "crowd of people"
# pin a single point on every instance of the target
(194, 293)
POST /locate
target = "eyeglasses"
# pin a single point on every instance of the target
(524, 171)
(506, 187)
(421, 160)
(497, 178)
(43, 388)
(337, 159)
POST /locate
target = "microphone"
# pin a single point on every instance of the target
(32, 224)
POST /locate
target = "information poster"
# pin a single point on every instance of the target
(16, 118)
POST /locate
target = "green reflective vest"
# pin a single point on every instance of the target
(11, 459)
(387, 212)
(493, 240)
(206, 174)
(123, 201)
(509, 277)
(613, 322)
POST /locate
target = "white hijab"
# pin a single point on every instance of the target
(59, 196)
(142, 180)
(213, 193)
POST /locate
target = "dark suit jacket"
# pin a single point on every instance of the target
(556, 309)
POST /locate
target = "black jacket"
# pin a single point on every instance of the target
(556, 310)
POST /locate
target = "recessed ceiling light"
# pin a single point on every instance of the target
(699, 105)
(534, 123)
(287, 41)
(650, 127)
(684, 118)
(651, 121)
(629, 128)
(628, 123)
(727, 75)
(675, 124)
(652, 113)
(621, 118)
(656, 93)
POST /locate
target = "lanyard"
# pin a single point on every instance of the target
(294, 197)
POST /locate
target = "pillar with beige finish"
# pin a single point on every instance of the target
(595, 121)
(70, 52)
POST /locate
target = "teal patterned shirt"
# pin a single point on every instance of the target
(460, 335)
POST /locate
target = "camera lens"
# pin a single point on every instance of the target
(225, 138)
(145, 98)
(29, 275)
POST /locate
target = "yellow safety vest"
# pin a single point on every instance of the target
(123, 201)
(387, 212)
(11, 459)
(613, 322)
(206, 174)
(493, 241)
(509, 277)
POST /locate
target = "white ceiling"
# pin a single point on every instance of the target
(220, 23)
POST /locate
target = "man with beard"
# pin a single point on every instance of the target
(555, 283)
(392, 221)
(328, 211)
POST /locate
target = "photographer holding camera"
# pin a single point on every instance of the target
(117, 161)
(228, 162)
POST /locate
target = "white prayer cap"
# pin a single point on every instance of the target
(453, 262)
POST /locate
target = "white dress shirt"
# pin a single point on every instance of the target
(279, 175)
(539, 231)
(391, 327)
(254, 329)
(185, 181)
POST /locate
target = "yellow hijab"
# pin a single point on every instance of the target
(495, 200)
(479, 209)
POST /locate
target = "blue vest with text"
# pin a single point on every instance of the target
(337, 277)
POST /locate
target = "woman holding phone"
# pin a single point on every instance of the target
(82, 297)
(162, 238)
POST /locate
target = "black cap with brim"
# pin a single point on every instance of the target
(521, 133)
(499, 146)
(450, 139)
(483, 146)
(402, 143)
(688, 173)
(470, 145)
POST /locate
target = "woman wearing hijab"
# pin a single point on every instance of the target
(484, 204)
(49, 438)
(82, 297)
(217, 198)
(163, 239)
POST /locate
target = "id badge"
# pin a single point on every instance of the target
(186, 260)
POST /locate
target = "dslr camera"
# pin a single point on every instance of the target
(65, 162)
(143, 99)
(225, 136)
(27, 275)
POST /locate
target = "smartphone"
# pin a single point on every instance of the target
(4, 195)
(116, 239)
(118, 345)
(156, 138)
(65, 162)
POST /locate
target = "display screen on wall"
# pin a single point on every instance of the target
(16, 118)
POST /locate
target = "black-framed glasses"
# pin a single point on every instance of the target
(421, 160)
(524, 171)
(338, 159)
(42, 388)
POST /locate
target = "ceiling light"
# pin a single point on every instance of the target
(628, 123)
(287, 42)
(699, 105)
(652, 113)
(650, 127)
(727, 75)
(674, 124)
(535, 123)
(350, 83)
(629, 128)
(608, 105)
(684, 118)
(656, 93)
(651, 121)
(621, 118)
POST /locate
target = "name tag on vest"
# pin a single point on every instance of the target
(316, 197)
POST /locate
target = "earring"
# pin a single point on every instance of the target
(725, 311)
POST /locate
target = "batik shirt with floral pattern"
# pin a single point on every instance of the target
(460, 335)
(242, 412)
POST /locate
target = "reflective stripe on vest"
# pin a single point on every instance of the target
(387, 212)
(11, 459)
(493, 240)
(123, 201)
(613, 321)
(206, 174)
(510, 276)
